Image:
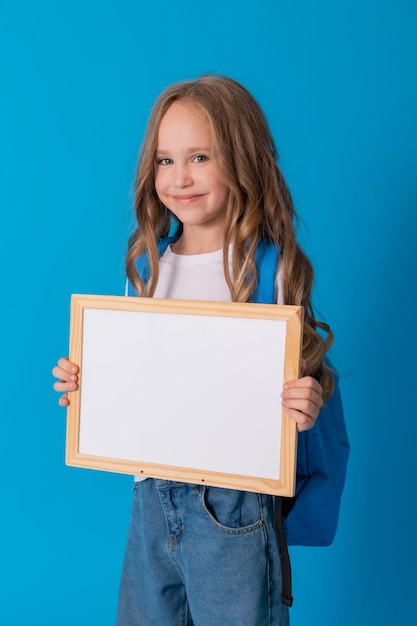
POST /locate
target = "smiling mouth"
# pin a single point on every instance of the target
(187, 199)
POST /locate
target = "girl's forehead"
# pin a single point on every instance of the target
(182, 120)
(184, 109)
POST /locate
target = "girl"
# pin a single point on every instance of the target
(208, 196)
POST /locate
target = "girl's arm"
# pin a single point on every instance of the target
(303, 399)
(67, 374)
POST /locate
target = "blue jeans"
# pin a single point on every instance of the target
(201, 556)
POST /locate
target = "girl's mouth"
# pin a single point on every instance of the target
(186, 199)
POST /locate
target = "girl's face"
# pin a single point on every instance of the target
(187, 179)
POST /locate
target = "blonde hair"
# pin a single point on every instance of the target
(259, 205)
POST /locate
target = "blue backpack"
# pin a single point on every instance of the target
(309, 518)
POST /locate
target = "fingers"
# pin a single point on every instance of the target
(67, 374)
(303, 400)
(63, 400)
(62, 386)
(64, 369)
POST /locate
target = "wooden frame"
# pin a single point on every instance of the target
(184, 390)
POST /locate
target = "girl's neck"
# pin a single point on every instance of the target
(192, 243)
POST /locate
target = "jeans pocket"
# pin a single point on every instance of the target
(232, 511)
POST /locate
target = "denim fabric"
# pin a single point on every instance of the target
(201, 556)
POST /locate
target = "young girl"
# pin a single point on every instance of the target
(208, 197)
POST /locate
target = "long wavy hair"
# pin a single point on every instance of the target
(259, 205)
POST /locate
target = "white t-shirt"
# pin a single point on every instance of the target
(197, 277)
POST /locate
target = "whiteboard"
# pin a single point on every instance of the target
(184, 390)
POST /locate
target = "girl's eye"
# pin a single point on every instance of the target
(200, 158)
(164, 161)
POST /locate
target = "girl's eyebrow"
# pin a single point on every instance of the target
(199, 149)
(187, 150)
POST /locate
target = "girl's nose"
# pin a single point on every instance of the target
(182, 177)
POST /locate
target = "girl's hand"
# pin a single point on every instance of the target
(67, 374)
(303, 399)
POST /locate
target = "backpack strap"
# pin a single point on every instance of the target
(266, 259)
(286, 591)
(142, 263)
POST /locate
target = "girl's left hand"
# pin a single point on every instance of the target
(303, 399)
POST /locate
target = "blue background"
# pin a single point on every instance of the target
(338, 84)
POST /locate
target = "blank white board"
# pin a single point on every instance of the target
(184, 390)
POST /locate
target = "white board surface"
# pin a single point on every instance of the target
(185, 390)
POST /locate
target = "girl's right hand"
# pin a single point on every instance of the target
(67, 374)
